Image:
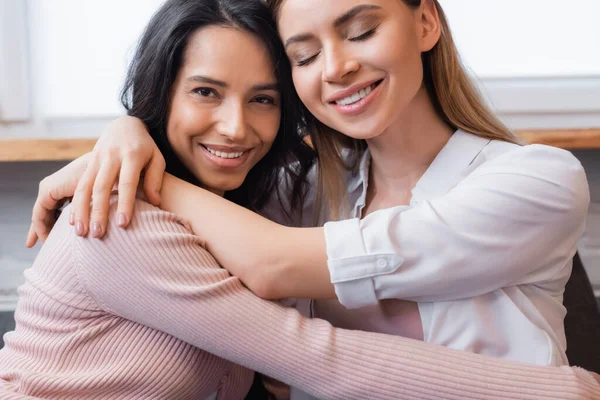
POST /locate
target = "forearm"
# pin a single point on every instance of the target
(156, 274)
(281, 261)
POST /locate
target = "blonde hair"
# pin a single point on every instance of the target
(454, 97)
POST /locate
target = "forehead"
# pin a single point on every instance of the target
(294, 14)
(227, 52)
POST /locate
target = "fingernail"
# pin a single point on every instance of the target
(79, 228)
(71, 219)
(122, 220)
(96, 230)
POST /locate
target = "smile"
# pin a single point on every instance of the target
(356, 97)
(223, 154)
(226, 157)
(356, 103)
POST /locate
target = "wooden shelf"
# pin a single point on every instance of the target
(69, 149)
(44, 149)
(564, 138)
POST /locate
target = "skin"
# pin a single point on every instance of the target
(397, 143)
(225, 98)
(401, 127)
(380, 40)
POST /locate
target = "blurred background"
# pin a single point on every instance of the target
(62, 63)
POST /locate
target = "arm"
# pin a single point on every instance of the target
(123, 152)
(156, 273)
(53, 191)
(265, 250)
(513, 221)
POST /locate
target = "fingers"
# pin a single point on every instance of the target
(31, 237)
(154, 177)
(42, 222)
(105, 181)
(44, 211)
(128, 183)
(80, 206)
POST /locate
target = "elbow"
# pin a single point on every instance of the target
(264, 290)
(262, 283)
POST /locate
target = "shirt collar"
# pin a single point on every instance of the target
(363, 172)
(449, 165)
(443, 174)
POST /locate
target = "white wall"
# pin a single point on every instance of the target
(527, 38)
(80, 51)
(80, 48)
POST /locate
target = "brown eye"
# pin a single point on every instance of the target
(205, 92)
(264, 100)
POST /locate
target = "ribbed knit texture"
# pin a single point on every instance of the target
(91, 318)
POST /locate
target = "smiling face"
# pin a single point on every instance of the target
(225, 108)
(357, 63)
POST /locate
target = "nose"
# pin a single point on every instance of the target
(338, 64)
(232, 122)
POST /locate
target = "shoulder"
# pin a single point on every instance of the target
(149, 226)
(536, 161)
(146, 217)
(533, 171)
(156, 247)
(502, 155)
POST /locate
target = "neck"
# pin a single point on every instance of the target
(404, 151)
(219, 193)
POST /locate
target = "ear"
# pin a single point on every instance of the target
(429, 25)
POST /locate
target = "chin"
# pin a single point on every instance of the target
(360, 131)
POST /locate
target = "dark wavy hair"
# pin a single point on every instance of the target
(153, 71)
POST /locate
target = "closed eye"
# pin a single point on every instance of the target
(307, 61)
(364, 36)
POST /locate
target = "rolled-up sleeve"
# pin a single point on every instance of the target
(514, 220)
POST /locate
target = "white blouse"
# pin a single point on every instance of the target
(484, 249)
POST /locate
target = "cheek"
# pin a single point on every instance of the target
(265, 125)
(308, 86)
(403, 57)
(187, 120)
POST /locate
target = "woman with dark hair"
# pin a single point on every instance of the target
(147, 313)
(454, 233)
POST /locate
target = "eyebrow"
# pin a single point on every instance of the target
(266, 86)
(303, 37)
(339, 21)
(206, 79)
(211, 81)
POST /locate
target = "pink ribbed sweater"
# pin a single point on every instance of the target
(91, 318)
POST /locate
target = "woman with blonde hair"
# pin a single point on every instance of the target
(438, 224)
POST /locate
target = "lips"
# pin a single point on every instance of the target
(225, 152)
(226, 157)
(354, 93)
(355, 103)
(361, 94)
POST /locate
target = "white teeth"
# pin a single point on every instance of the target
(361, 94)
(223, 154)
